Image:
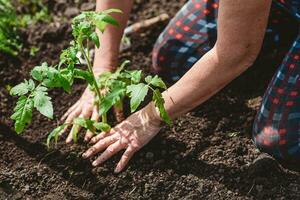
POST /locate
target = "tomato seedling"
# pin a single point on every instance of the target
(132, 84)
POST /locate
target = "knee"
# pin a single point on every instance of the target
(166, 52)
(281, 143)
(265, 137)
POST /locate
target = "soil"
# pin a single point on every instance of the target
(206, 154)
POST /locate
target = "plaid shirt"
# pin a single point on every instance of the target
(193, 32)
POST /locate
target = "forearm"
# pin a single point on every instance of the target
(209, 75)
(241, 29)
(106, 57)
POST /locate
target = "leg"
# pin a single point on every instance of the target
(276, 129)
(189, 35)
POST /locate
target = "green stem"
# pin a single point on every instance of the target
(87, 59)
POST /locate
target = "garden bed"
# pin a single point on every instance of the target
(206, 154)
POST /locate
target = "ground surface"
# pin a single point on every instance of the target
(206, 154)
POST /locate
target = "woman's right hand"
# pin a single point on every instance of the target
(86, 108)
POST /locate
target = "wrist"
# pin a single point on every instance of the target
(97, 70)
(104, 63)
(153, 114)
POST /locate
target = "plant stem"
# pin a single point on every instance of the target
(87, 59)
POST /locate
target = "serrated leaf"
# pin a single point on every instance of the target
(78, 73)
(137, 94)
(36, 74)
(159, 103)
(42, 102)
(135, 76)
(111, 99)
(22, 113)
(39, 72)
(64, 83)
(156, 81)
(101, 126)
(54, 134)
(85, 123)
(19, 90)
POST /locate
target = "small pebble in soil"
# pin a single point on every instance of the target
(71, 12)
(149, 155)
(259, 188)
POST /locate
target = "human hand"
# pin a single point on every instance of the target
(131, 134)
(85, 108)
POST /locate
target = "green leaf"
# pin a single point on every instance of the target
(110, 20)
(111, 99)
(101, 25)
(39, 72)
(135, 76)
(64, 82)
(74, 131)
(137, 94)
(91, 125)
(42, 102)
(22, 88)
(19, 90)
(22, 113)
(101, 126)
(54, 134)
(94, 37)
(159, 103)
(156, 81)
(85, 123)
(36, 74)
(86, 75)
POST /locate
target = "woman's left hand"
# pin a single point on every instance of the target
(131, 134)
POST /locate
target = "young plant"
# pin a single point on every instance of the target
(110, 88)
(9, 42)
(10, 22)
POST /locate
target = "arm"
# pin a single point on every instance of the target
(106, 57)
(241, 29)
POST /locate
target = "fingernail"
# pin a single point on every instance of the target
(117, 170)
(92, 141)
(95, 163)
(68, 141)
(84, 155)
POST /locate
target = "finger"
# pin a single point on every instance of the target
(73, 115)
(101, 135)
(95, 117)
(127, 155)
(101, 145)
(109, 152)
(70, 110)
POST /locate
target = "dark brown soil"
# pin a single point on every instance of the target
(206, 154)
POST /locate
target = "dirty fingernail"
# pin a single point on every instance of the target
(95, 163)
(85, 155)
(117, 170)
